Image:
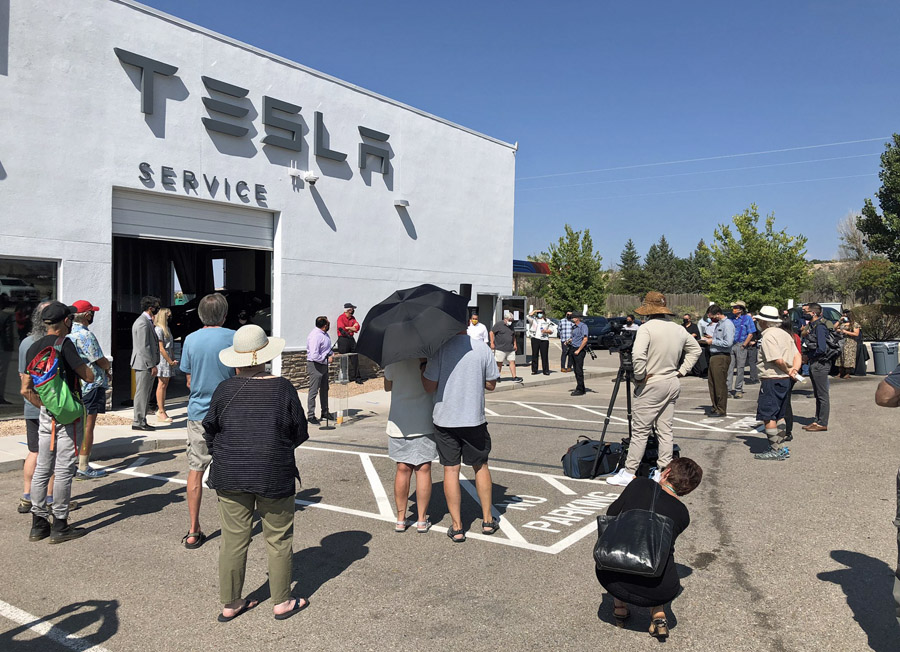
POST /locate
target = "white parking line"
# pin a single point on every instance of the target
(45, 628)
(384, 505)
(505, 526)
(553, 482)
(531, 407)
(605, 407)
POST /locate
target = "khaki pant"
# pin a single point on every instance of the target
(236, 513)
(718, 382)
(654, 404)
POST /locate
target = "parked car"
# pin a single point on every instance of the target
(597, 326)
(15, 289)
(828, 314)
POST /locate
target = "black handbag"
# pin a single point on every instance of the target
(636, 542)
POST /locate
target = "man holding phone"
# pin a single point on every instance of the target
(348, 327)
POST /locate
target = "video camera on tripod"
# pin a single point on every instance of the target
(590, 458)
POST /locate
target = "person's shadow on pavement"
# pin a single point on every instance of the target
(98, 616)
(315, 566)
(868, 582)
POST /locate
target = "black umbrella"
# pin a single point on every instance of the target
(411, 323)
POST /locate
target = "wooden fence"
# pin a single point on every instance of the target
(622, 304)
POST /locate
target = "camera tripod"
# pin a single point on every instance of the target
(624, 373)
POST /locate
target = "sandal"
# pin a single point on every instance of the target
(456, 533)
(659, 627)
(489, 528)
(299, 605)
(621, 614)
(422, 527)
(401, 526)
(200, 540)
(247, 606)
(164, 418)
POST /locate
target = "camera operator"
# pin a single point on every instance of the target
(659, 346)
(579, 342)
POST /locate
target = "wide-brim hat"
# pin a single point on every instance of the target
(769, 313)
(740, 304)
(654, 304)
(251, 347)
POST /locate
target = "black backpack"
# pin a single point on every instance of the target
(832, 342)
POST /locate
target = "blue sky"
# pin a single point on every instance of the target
(627, 88)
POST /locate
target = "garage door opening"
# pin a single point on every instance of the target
(180, 250)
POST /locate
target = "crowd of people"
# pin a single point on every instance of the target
(246, 423)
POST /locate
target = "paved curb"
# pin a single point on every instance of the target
(106, 450)
(557, 378)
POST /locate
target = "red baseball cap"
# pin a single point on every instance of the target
(85, 306)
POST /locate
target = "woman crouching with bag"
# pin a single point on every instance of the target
(681, 477)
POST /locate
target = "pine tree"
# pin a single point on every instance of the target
(660, 265)
(631, 273)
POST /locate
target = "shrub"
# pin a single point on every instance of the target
(879, 322)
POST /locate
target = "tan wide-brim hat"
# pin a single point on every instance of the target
(654, 304)
(251, 347)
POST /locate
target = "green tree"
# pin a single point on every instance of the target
(882, 232)
(765, 267)
(875, 279)
(630, 278)
(660, 266)
(576, 274)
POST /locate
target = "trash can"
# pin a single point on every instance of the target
(885, 357)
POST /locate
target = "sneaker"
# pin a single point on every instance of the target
(788, 437)
(61, 531)
(519, 379)
(774, 454)
(654, 474)
(24, 506)
(312, 421)
(739, 395)
(40, 528)
(621, 479)
(90, 474)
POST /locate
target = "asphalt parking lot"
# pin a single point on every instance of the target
(790, 555)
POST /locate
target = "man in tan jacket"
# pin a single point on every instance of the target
(663, 352)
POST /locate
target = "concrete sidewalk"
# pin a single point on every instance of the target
(121, 440)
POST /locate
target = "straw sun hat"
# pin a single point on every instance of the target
(251, 347)
(654, 304)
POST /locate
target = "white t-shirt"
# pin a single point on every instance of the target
(478, 332)
(411, 405)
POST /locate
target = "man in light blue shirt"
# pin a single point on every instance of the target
(318, 355)
(720, 343)
(200, 361)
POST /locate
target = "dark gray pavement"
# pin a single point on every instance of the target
(792, 555)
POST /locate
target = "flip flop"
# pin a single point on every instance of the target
(247, 606)
(297, 607)
(200, 540)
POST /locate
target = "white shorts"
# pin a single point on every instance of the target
(503, 356)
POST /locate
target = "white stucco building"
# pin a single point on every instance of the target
(136, 148)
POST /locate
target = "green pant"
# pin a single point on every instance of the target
(236, 513)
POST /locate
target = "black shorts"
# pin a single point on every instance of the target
(472, 444)
(31, 434)
(95, 401)
(773, 395)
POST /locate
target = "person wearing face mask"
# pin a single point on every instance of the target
(318, 356)
(503, 344)
(476, 330)
(144, 360)
(565, 341)
(540, 329)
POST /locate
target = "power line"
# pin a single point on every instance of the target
(705, 158)
(675, 192)
(686, 174)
